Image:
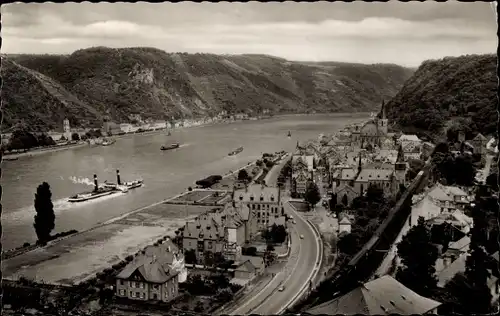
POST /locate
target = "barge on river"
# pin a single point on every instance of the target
(171, 146)
(236, 151)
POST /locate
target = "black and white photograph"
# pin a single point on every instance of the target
(249, 158)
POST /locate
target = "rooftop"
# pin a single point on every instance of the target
(154, 264)
(382, 296)
(268, 194)
(412, 138)
(375, 175)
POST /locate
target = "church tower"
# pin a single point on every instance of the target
(400, 167)
(382, 122)
(66, 129)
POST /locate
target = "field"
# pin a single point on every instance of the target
(192, 196)
(81, 256)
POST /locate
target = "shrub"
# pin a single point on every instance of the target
(26, 244)
(129, 258)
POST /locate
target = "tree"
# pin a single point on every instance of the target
(345, 201)
(374, 194)
(190, 256)
(45, 217)
(275, 234)
(75, 137)
(22, 139)
(249, 251)
(467, 171)
(312, 195)
(243, 175)
(418, 256)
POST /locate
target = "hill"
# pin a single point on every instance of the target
(119, 82)
(453, 92)
(36, 100)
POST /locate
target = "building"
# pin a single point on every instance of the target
(264, 203)
(410, 141)
(249, 267)
(302, 172)
(458, 265)
(480, 143)
(351, 183)
(128, 128)
(111, 128)
(216, 232)
(382, 296)
(66, 129)
(372, 133)
(153, 275)
(344, 225)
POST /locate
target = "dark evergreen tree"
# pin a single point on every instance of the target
(312, 195)
(45, 217)
(418, 256)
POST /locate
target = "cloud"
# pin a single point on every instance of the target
(355, 32)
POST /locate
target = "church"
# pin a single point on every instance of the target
(374, 133)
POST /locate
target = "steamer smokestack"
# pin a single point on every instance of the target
(96, 186)
(118, 180)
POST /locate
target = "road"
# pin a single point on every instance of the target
(271, 178)
(296, 274)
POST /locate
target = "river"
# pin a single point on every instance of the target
(203, 152)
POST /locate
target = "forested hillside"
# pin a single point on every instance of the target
(119, 82)
(453, 92)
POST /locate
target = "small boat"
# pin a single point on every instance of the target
(236, 151)
(10, 158)
(171, 146)
(108, 142)
(289, 134)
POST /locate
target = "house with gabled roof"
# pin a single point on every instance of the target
(153, 275)
(263, 202)
(382, 296)
(480, 143)
(459, 265)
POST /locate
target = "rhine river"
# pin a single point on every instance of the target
(203, 152)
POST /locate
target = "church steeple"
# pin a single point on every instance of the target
(382, 110)
(401, 155)
(359, 163)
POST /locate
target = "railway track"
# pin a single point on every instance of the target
(364, 264)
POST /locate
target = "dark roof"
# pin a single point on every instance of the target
(154, 265)
(382, 296)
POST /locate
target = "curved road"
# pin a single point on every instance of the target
(295, 275)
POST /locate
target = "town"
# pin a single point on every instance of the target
(304, 214)
(259, 159)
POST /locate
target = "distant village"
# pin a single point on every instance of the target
(138, 124)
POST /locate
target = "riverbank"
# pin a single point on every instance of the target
(81, 256)
(66, 147)
(41, 151)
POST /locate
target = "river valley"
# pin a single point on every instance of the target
(203, 152)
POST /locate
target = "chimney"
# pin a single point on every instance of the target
(118, 180)
(96, 186)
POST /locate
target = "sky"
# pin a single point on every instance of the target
(394, 32)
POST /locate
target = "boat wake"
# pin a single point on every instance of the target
(60, 206)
